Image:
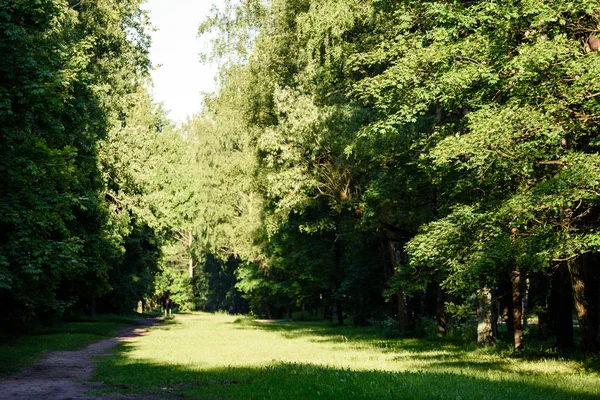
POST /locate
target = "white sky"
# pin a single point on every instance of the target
(181, 77)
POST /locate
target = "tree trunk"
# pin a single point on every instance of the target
(268, 310)
(525, 306)
(440, 315)
(395, 246)
(387, 264)
(191, 260)
(505, 300)
(494, 314)
(561, 307)
(339, 269)
(413, 310)
(587, 325)
(485, 330)
(402, 311)
(515, 278)
(165, 306)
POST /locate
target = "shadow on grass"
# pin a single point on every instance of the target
(423, 349)
(306, 381)
(357, 337)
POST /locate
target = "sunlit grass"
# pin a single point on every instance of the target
(218, 355)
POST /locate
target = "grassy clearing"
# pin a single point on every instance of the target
(18, 351)
(219, 356)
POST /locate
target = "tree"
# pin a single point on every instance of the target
(462, 135)
(65, 70)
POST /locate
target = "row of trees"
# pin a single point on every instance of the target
(66, 74)
(369, 159)
(90, 169)
(432, 153)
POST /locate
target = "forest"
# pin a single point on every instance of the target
(367, 162)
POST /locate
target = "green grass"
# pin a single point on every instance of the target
(18, 351)
(218, 356)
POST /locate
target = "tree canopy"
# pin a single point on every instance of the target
(364, 159)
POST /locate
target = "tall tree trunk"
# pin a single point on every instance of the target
(396, 250)
(515, 278)
(525, 306)
(505, 300)
(387, 264)
(413, 309)
(587, 325)
(494, 314)
(268, 310)
(561, 308)
(339, 254)
(402, 311)
(191, 260)
(440, 314)
(485, 331)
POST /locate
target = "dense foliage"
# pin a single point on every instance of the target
(379, 160)
(430, 152)
(65, 73)
(78, 205)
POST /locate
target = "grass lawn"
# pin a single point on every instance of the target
(218, 356)
(19, 351)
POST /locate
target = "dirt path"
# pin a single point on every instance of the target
(65, 375)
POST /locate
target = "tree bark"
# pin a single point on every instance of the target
(505, 300)
(268, 310)
(191, 260)
(387, 264)
(402, 311)
(485, 331)
(339, 255)
(440, 315)
(587, 325)
(494, 314)
(516, 303)
(395, 246)
(525, 306)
